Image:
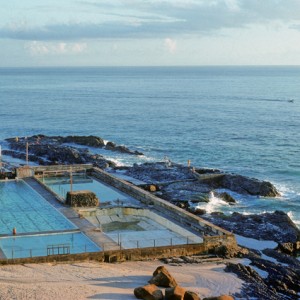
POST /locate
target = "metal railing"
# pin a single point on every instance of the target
(122, 243)
(58, 249)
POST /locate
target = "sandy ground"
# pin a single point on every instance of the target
(91, 280)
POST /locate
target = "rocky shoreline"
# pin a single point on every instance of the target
(53, 150)
(183, 186)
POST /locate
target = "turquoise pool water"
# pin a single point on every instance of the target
(48, 244)
(61, 185)
(24, 209)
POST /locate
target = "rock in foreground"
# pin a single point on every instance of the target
(223, 297)
(162, 277)
(148, 292)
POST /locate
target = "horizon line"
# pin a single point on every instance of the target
(143, 66)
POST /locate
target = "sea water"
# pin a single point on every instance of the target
(239, 119)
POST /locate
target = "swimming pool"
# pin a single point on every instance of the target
(24, 209)
(105, 193)
(46, 244)
(133, 227)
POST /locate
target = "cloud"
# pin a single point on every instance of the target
(154, 19)
(37, 48)
(171, 45)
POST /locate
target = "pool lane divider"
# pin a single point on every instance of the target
(36, 233)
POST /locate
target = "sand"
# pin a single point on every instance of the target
(92, 280)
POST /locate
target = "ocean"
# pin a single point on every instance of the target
(243, 120)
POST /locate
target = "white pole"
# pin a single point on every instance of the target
(27, 153)
(71, 180)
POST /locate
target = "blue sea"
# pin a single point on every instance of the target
(244, 120)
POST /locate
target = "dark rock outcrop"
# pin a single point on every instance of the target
(244, 185)
(283, 258)
(52, 150)
(282, 282)
(202, 171)
(91, 140)
(122, 149)
(197, 211)
(55, 149)
(225, 197)
(276, 226)
(256, 286)
(284, 279)
(181, 183)
(159, 172)
(188, 191)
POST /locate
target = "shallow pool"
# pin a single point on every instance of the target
(24, 209)
(105, 193)
(46, 244)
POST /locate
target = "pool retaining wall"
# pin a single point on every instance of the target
(121, 255)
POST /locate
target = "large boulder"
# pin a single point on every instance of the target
(223, 297)
(162, 277)
(189, 295)
(175, 293)
(148, 292)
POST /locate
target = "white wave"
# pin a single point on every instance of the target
(118, 162)
(251, 212)
(214, 204)
(293, 218)
(285, 190)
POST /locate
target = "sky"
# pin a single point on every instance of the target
(149, 32)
